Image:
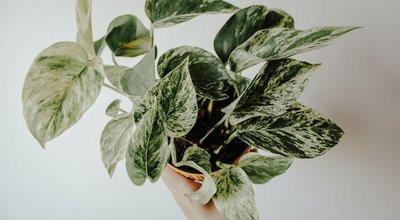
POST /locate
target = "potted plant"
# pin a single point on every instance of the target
(196, 113)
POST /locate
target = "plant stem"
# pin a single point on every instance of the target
(227, 141)
(114, 60)
(186, 140)
(123, 111)
(112, 88)
(213, 128)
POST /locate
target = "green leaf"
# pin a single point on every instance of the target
(84, 36)
(278, 43)
(115, 138)
(164, 13)
(235, 196)
(300, 132)
(176, 99)
(261, 169)
(99, 45)
(138, 80)
(60, 86)
(114, 75)
(198, 155)
(113, 108)
(148, 152)
(210, 78)
(128, 37)
(244, 23)
(275, 88)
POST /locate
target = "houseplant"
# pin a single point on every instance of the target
(196, 111)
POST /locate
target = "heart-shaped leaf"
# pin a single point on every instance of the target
(261, 169)
(278, 43)
(60, 86)
(128, 37)
(148, 151)
(84, 36)
(113, 108)
(210, 78)
(300, 132)
(276, 87)
(164, 13)
(235, 196)
(115, 138)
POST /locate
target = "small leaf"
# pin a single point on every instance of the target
(60, 86)
(198, 155)
(138, 80)
(114, 75)
(115, 138)
(278, 43)
(276, 87)
(148, 151)
(261, 169)
(128, 37)
(164, 13)
(210, 78)
(99, 45)
(84, 36)
(113, 108)
(300, 132)
(235, 196)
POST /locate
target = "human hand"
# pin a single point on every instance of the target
(181, 186)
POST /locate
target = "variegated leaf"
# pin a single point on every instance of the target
(235, 196)
(164, 13)
(261, 169)
(277, 18)
(277, 86)
(115, 138)
(198, 155)
(114, 75)
(148, 152)
(138, 80)
(128, 37)
(84, 36)
(60, 86)
(210, 78)
(278, 43)
(113, 108)
(300, 132)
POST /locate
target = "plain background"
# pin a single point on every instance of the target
(358, 86)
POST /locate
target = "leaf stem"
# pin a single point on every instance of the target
(112, 88)
(213, 128)
(226, 142)
(123, 111)
(114, 60)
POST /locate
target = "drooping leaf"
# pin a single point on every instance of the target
(278, 43)
(210, 78)
(235, 196)
(261, 169)
(148, 151)
(115, 138)
(164, 13)
(60, 86)
(128, 37)
(114, 75)
(276, 87)
(113, 108)
(138, 80)
(300, 132)
(84, 36)
(198, 155)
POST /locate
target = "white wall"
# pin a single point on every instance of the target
(358, 86)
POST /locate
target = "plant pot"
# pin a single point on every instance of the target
(199, 176)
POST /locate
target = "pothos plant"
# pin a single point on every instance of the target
(196, 112)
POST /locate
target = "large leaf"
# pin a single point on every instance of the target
(84, 36)
(60, 86)
(176, 98)
(261, 169)
(208, 73)
(278, 43)
(235, 195)
(164, 13)
(128, 37)
(138, 80)
(277, 86)
(300, 132)
(116, 137)
(148, 151)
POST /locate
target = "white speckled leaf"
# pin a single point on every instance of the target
(164, 13)
(300, 132)
(115, 138)
(278, 43)
(114, 75)
(261, 169)
(148, 151)
(209, 75)
(276, 87)
(235, 196)
(278, 18)
(113, 108)
(84, 36)
(60, 86)
(198, 155)
(138, 80)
